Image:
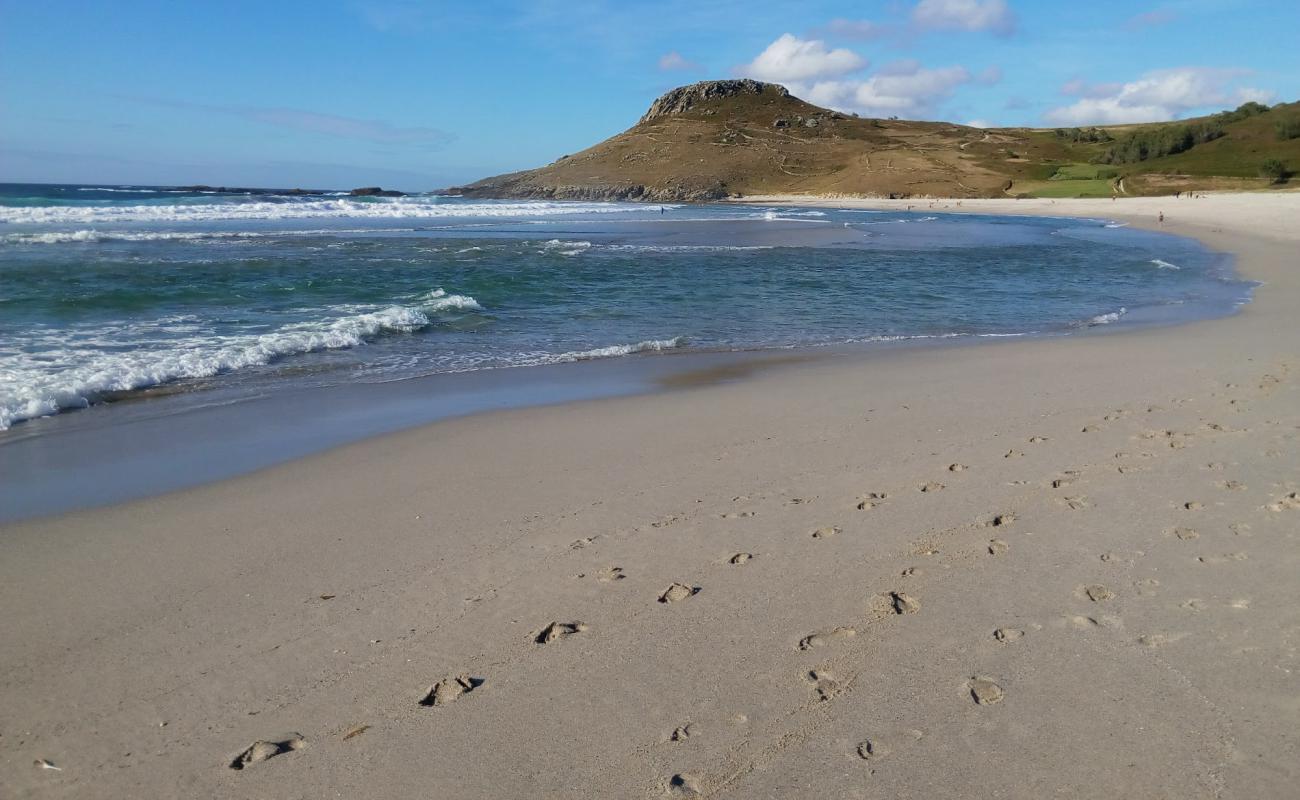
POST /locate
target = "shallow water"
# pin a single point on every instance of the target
(106, 292)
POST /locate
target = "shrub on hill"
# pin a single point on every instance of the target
(1288, 128)
(1241, 112)
(1083, 135)
(1156, 142)
(1274, 170)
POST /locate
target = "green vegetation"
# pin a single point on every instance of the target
(1159, 142)
(1070, 188)
(1243, 111)
(1083, 135)
(1083, 172)
(1274, 170)
(1288, 128)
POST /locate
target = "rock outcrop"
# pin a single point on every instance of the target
(686, 98)
(375, 191)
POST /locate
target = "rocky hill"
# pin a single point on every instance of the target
(716, 139)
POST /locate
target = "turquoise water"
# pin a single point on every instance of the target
(105, 291)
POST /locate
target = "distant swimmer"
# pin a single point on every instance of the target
(1162, 217)
(661, 210)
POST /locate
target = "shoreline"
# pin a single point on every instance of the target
(144, 444)
(1113, 521)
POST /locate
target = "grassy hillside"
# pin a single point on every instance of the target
(724, 138)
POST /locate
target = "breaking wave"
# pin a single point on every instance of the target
(82, 374)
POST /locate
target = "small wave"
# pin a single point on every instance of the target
(566, 248)
(439, 300)
(648, 346)
(685, 248)
(1160, 264)
(1106, 319)
(95, 236)
(127, 191)
(1116, 225)
(774, 215)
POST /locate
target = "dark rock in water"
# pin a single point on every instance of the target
(684, 98)
(375, 191)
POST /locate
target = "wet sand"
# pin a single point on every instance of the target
(1050, 567)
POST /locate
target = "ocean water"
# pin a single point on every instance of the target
(112, 291)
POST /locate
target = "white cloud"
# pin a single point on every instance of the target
(990, 75)
(1156, 96)
(791, 60)
(965, 15)
(904, 89)
(980, 123)
(674, 60)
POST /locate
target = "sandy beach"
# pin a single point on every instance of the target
(1021, 569)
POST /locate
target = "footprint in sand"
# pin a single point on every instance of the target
(1074, 503)
(740, 558)
(826, 638)
(449, 690)
(1222, 559)
(685, 784)
(678, 591)
(1186, 534)
(610, 574)
(1146, 587)
(901, 603)
(1096, 592)
(984, 690)
(263, 749)
(957, 468)
(1037, 439)
(826, 532)
(1090, 429)
(932, 486)
(1000, 520)
(1008, 635)
(1154, 640)
(871, 500)
(1240, 529)
(681, 733)
(1061, 483)
(737, 515)
(1214, 466)
(1287, 502)
(558, 630)
(997, 547)
(1194, 604)
(1192, 505)
(869, 749)
(824, 683)
(1013, 454)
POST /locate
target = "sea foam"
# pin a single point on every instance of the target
(342, 208)
(84, 370)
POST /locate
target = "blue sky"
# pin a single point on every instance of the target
(420, 95)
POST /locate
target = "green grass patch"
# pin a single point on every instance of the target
(1084, 172)
(1099, 187)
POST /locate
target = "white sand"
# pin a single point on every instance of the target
(1143, 579)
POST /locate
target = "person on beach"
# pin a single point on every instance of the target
(1162, 217)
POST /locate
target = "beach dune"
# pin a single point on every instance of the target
(1052, 567)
